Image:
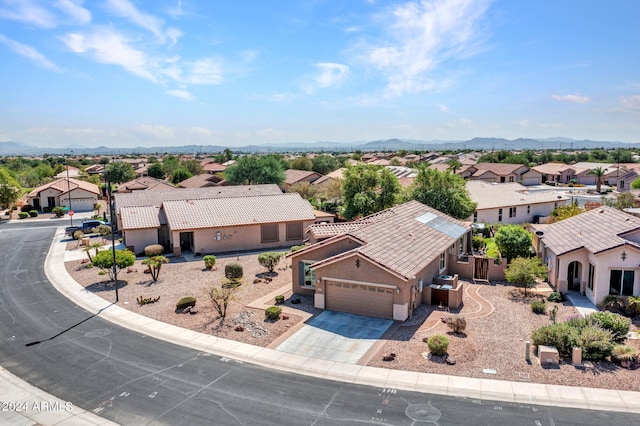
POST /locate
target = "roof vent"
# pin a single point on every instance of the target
(539, 233)
(601, 211)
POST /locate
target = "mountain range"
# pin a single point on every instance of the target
(475, 144)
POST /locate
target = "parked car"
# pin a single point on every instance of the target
(86, 226)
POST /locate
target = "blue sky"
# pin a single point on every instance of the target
(127, 73)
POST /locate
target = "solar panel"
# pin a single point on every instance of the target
(441, 224)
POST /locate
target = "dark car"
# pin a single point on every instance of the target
(86, 227)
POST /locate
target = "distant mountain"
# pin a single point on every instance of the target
(395, 144)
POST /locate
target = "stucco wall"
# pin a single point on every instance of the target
(137, 240)
(537, 209)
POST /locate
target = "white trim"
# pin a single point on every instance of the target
(341, 280)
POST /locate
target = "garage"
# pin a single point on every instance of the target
(528, 181)
(360, 299)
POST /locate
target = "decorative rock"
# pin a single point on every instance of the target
(450, 360)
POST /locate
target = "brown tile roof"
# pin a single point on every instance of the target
(596, 230)
(142, 217)
(233, 211)
(200, 181)
(213, 167)
(552, 168)
(292, 176)
(63, 186)
(500, 169)
(406, 238)
(145, 183)
(155, 198)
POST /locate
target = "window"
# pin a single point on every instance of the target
(592, 272)
(307, 275)
(512, 212)
(621, 282)
(510, 178)
(443, 260)
(461, 245)
(475, 216)
(269, 233)
(218, 234)
(528, 209)
(502, 179)
(499, 215)
(294, 231)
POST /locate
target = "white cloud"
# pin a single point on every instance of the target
(571, 98)
(65, 130)
(630, 103)
(199, 131)
(74, 9)
(154, 25)
(182, 94)
(109, 47)
(443, 108)
(29, 53)
(155, 130)
(27, 11)
(524, 123)
(328, 74)
(421, 35)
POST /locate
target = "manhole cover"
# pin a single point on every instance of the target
(423, 413)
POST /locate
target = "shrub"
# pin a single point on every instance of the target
(209, 261)
(279, 299)
(556, 297)
(231, 283)
(438, 344)
(457, 323)
(23, 215)
(153, 250)
(538, 307)
(272, 313)
(269, 260)
(233, 270)
(624, 353)
(296, 248)
(595, 342)
(616, 324)
(477, 242)
(102, 272)
(26, 208)
(78, 235)
(33, 213)
(146, 300)
(561, 336)
(185, 302)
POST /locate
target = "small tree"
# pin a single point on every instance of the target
(102, 230)
(598, 172)
(58, 211)
(269, 260)
(513, 241)
(155, 264)
(220, 297)
(457, 323)
(209, 261)
(104, 260)
(524, 271)
(93, 246)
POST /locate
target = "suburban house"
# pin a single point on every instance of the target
(405, 175)
(292, 177)
(596, 253)
(556, 172)
(625, 179)
(497, 172)
(145, 183)
(511, 202)
(326, 180)
(202, 181)
(211, 167)
(79, 195)
(69, 171)
(213, 220)
(381, 265)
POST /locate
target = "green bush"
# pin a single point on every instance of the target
(269, 260)
(556, 297)
(153, 250)
(595, 342)
(209, 261)
(272, 313)
(477, 242)
(231, 283)
(185, 302)
(438, 344)
(538, 307)
(33, 213)
(23, 215)
(296, 248)
(615, 323)
(279, 299)
(561, 336)
(233, 270)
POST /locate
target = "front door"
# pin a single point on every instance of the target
(573, 276)
(51, 202)
(36, 203)
(186, 241)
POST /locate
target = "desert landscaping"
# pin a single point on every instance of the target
(499, 321)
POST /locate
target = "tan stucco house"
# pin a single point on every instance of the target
(78, 194)
(380, 265)
(213, 220)
(596, 253)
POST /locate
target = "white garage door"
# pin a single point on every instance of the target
(359, 299)
(531, 181)
(82, 204)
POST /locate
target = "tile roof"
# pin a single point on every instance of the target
(142, 217)
(500, 169)
(156, 198)
(200, 181)
(144, 183)
(495, 195)
(233, 211)
(553, 168)
(63, 185)
(406, 238)
(292, 176)
(596, 230)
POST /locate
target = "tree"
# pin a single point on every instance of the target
(102, 230)
(367, 189)
(120, 172)
(179, 175)
(524, 271)
(155, 264)
(598, 172)
(444, 191)
(9, 189)
(565, 212)
(324, 164)
(454, 165)
(93, 246)
(104, 260)
(269, 260)
(513, 241)
(156, 171)
(621, 201)
(305, 189)
(193, 166)
(301, 163)
(169, 164)
(254, 170)
(220, 297)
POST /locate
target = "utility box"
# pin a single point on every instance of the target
(576, 356)
(86, 241)
(548, 355)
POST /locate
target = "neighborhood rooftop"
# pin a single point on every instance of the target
(492, 195)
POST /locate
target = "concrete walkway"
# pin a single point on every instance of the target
(583, 305)
(495, 390)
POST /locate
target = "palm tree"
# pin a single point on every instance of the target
(598, 172)
(454, 165)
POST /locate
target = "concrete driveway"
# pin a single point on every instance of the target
(336, 336)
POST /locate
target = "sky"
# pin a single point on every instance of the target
(151, 73)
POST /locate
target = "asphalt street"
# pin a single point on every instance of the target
(133, 379)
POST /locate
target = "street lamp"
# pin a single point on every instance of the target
(113, 235)
(69, 191)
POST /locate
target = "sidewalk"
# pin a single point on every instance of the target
(516, 392)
